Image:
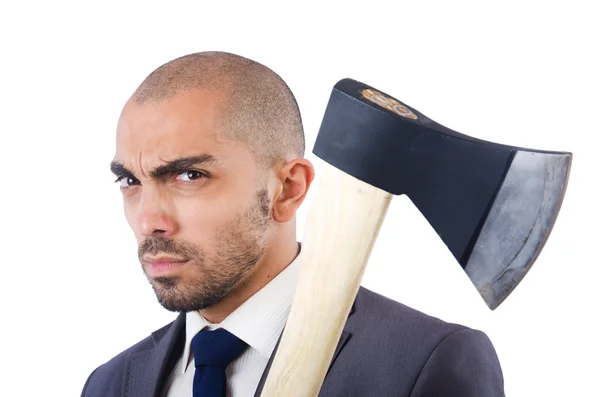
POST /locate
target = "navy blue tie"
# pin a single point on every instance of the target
(213, 352)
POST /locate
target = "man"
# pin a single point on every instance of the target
(210, 162)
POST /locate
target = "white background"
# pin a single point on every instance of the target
(521, 73)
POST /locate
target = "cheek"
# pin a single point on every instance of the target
(129, 212)
(131, 217)
(205, 218)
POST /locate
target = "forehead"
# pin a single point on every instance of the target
(182, 125)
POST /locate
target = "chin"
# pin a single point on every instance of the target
(175, 297)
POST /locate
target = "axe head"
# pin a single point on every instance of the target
(493, 205)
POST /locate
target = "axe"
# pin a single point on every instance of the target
(493, 206)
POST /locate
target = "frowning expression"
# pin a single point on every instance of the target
(197, 202)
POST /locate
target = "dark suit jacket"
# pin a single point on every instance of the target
(386, 350)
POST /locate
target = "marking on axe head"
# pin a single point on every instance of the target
(388, 103)
(493, 205)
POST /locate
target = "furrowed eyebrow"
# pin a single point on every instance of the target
(182, 164)
(173, 166)
(119, 169)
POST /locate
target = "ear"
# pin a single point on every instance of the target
(294, 180)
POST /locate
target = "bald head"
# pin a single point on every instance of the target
(209, 160)
(258, 109)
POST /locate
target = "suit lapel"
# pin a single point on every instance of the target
(341, 343)
(145, 371)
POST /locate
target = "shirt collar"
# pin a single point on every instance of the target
(258, 321)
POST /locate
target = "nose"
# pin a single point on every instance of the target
(154, 216)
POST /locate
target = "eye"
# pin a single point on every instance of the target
(191, 175)
(126, 181)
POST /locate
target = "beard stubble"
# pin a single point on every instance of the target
(208, 279)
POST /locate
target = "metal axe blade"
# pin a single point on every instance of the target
(493, 205)
(518, 224)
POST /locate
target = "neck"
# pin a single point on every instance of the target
(273, 262)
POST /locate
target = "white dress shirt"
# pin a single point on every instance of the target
(259, 322)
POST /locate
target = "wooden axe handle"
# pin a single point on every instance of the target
(340, 230)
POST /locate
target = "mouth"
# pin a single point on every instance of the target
(163, 266)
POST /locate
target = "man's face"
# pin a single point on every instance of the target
(196, 202)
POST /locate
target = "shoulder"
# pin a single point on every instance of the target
(420, 349)
(107, 377)
(393, 317)
(378, 322)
